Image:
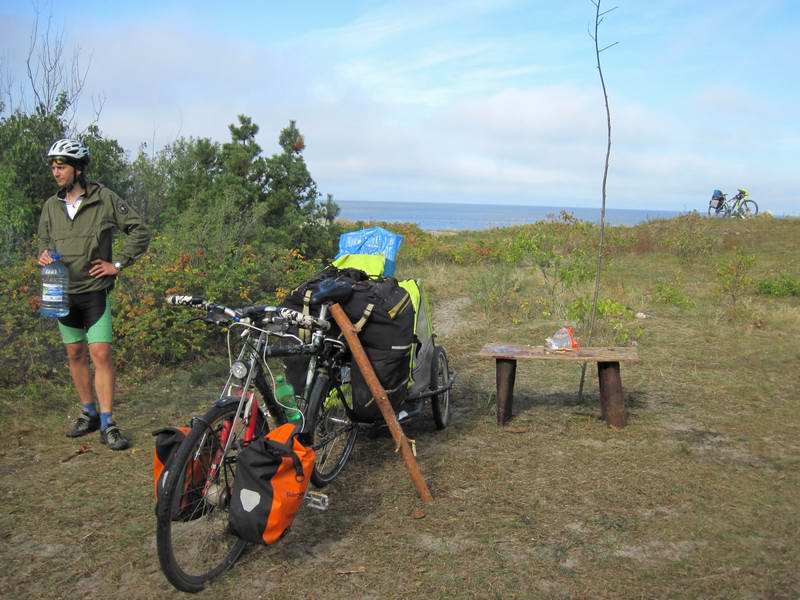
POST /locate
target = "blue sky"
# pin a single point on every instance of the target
(491, 101)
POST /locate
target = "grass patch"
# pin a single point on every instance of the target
(696, 498)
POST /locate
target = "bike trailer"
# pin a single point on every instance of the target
(271, 481)
(424, 350)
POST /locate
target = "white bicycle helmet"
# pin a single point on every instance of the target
(69, 149)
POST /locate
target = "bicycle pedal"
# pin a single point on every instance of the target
(317, 500)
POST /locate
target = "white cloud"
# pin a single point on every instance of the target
(395, 107)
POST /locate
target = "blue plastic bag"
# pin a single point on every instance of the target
(374, 240)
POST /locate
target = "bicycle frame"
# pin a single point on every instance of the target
(255, 355)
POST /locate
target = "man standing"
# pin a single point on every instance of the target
(78, 223)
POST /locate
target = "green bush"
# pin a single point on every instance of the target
(688, 237)
(31, 346)
(614, 321)
(780, 286)
(561, 252)
(146, 330)
(670, 292)
(734, 279)
(500, 292)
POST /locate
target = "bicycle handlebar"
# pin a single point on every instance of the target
(237, 314)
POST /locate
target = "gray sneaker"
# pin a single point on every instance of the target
(113, 437)
(85, 423)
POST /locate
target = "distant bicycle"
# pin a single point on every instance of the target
(739, 206)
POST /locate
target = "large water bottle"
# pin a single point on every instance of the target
(55, 282)
(284, 394)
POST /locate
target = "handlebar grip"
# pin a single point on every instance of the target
(185, 300)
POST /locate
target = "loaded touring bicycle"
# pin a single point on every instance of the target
(200, 502)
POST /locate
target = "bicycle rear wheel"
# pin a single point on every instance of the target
(334, 435)
(194, 542)
(440, 403)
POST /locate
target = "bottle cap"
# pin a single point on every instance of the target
(55, 256)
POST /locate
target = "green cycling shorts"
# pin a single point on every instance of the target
(89, 319)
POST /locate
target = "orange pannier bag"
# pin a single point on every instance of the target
(272, 477)
(168, 440)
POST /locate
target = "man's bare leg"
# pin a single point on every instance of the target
(103, 375)
(78, 356)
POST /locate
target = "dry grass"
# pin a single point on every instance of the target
(696, 498)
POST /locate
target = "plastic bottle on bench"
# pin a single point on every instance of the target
(563, 339)
(55, 282)
(284, 394)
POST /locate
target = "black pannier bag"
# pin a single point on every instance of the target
(387, 333)
(271, 481)
(383, 315)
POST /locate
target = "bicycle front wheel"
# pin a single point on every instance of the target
(194, 542)
(749, 208)
(334, 434)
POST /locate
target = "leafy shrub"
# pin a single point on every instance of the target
(614, 321)
(734, 279)
(666, 292)
(499, 293)
(31, 346)
(689, 237)
(780, 286)
(561, 252)
(146, 330)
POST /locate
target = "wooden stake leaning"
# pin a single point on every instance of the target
(382, 399)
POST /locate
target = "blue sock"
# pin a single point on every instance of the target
(90, 409)
(104, 419)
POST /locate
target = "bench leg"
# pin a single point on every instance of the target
(612, 401)
(506, 373)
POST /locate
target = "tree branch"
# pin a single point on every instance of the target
(597, 51)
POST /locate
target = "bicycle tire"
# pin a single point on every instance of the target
(440, 403)
(749, 208)
(194, 551)
(334, 434)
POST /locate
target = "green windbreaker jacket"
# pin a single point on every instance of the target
(88, 236)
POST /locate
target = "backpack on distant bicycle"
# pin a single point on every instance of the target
(717, 199)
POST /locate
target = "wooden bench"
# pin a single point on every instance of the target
(612, 402)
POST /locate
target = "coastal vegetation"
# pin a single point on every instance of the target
(695, 498)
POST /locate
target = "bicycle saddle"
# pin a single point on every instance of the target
(332, 290)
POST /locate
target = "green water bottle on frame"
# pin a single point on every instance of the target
(284, 394)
